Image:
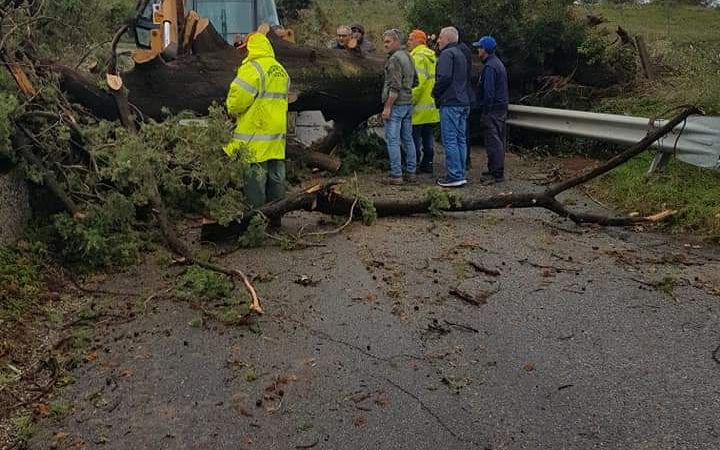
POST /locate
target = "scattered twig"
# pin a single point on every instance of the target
(476, 300)
(485, 270)
(716, 354)
(462, 327)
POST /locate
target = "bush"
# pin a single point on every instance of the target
(534, 37)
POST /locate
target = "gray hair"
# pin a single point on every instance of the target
(393, 33)
(344, 28)
(452, 34)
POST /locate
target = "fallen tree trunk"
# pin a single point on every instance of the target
(344, 86)
(324, 198)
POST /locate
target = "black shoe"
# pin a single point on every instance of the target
(426, 168)
(489, 180)
(486, 173)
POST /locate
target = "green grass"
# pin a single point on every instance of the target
(23, 427)
(694, 192)
(21, 281)
(685, 43)
(375, 15)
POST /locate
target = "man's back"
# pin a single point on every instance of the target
(493, 94)
(452, 83)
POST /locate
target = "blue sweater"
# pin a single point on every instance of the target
(492, 92)
(451, 78)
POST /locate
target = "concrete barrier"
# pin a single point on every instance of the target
(14, 206)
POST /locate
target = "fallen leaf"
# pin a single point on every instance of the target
(529, 367)
(43, 409)
(359, 421)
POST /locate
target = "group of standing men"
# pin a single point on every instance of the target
(422, 89)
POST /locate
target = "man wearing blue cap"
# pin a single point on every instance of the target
(493, 99)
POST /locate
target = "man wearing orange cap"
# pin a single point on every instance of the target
(425, 114)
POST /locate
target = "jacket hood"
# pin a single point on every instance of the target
(259, 47)
(421, 48)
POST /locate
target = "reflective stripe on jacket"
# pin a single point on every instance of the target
(258, 96)
(424, 110)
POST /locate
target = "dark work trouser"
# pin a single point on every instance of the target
(495, 133)
(424, 144)
(264, 182)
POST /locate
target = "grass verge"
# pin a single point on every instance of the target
(685, 46)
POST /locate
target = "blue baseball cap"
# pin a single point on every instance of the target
(486, 42)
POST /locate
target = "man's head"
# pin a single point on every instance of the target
(358, 32)
(416, 37)
(343, 35)
(486, 46)
(448, 35)
(392, 40)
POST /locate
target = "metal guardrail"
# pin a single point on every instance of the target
(696, 143)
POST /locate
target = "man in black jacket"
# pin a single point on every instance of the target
(452, 96)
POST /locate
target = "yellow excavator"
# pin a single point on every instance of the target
(162, 27)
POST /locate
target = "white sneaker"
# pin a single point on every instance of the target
(444, 182)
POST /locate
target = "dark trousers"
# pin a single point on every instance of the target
(495, 134)
(264, 182)
(424, 142)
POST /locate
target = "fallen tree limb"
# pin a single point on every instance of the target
(23, 142)
(179, 247)
(325, 199)
(299, 152)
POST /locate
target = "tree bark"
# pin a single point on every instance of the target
(344, 86)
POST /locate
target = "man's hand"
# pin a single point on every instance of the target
(386, 114)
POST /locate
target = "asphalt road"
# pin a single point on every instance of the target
(589, 338)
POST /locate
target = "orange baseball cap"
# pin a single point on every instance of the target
(419, 35)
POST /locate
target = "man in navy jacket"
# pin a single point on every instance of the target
(452, 96)
(493, 99)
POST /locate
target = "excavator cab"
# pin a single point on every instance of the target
(162, 27)
(233, 18)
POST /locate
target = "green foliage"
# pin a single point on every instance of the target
(184, 157)
(23, 427)
(198, 284)
(362, 151)
(534, 37)
(685, 47)
(368, 211)
(441, 200)
(607, 62)
(21, 281)
(254, 235)
(58, 408)
(105, 238)
(78, 24)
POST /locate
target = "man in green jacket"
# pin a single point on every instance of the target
(425, 114)
(397, 111)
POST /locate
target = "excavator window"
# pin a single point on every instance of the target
(236, 17)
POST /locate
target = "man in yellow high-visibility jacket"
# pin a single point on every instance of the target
(258, 97)
(425, 114)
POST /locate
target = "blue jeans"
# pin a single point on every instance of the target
(399, 128)
(424, 140)
(453, 126)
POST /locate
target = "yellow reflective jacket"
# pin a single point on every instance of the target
(424, 110)
(258, 96)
